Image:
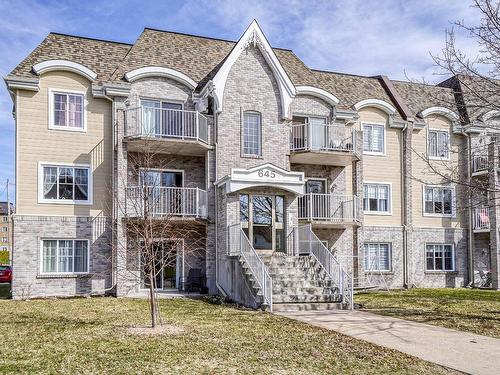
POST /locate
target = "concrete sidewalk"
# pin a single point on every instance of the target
(466, 352)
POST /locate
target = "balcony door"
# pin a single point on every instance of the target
(164, 191)
(316, 204)
(262, 218)
(317, 131)
(166, 264)
(162, 119)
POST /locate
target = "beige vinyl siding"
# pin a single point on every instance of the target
(36, 143)
(422, 172)
(383, 168)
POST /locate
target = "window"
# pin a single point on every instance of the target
(439, 200)
(4, 248)
(4, 229)
(4, 239)
(438, 144)
(65, 256)
(376, 198)
(377, 257)
(65, 184)
(373, 138)
(5, 219)
(67, 111)
(252, 134)
(439, 257)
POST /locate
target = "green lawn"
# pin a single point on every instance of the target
(92, 336)
(471, 310)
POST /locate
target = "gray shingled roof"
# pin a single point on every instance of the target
(420, 96)
(100, 56)
(200, 57)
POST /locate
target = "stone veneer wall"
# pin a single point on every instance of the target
(30, 230)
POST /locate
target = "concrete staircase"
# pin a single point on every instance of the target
(301, 284)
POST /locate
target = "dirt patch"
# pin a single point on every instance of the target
(166, 329)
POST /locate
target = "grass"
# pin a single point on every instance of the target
(472, 310)
(91, 336)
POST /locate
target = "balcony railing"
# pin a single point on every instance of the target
(318, 137)
(481, 219)
(166, 201)
(479, 163)
(329, 207)
(166, 124)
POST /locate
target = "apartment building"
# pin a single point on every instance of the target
(5, 226)
(300, 184)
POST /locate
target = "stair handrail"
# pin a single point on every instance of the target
(328, 261)
(258, 268)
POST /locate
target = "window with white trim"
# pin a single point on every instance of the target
(5, 219)
(67, 110)
(373, 138)
(439, 200)
(252, 134)
(65, 256)
(439, 257)
(4, 239)
(4, 248)
(377, 257)
(438, 144)
(65, 183)
(4, 229)
(376, 198)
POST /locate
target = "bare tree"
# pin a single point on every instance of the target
(160, 221)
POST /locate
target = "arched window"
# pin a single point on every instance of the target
(252, 134)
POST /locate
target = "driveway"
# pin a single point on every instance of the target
(466, 352)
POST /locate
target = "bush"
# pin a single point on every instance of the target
(4, 257)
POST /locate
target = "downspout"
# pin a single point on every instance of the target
(404, 210)
(216, 199)
(470, 252)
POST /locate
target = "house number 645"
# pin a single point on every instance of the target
(266, 173)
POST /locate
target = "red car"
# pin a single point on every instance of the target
(5, 274)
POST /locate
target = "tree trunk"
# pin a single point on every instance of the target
(152, 297)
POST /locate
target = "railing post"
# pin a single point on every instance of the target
(197, 121)
(310, 206)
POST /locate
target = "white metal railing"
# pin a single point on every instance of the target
(166, 123)
(164, 201)
(329, 207)
(319, 137)
(481, 218)
(239, 245)
(479, 162)
(309, 243)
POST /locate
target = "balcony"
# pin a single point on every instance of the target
(162, 130)
(479, 164)
(166, 202)
(329, 210)
(481, 220)
(322, 144)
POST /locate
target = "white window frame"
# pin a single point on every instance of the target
(57, 256)
(261, 135)
(448, 145)
(4, 229)
(41, 199)
(453, 201)
(5, 239)
(5, 219)
(375, 153)
(4, 248)
(389, 203)
(51, 119)
(389, 256)
(452, 256)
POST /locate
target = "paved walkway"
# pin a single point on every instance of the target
(466, 352)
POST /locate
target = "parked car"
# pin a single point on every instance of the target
(5, 274)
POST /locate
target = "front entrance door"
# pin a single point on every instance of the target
(262, 219)
(166, 264)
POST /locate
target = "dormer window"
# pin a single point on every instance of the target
(66, 110)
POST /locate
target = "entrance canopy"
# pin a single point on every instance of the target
(265, 175)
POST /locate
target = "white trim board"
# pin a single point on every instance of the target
(71, 66)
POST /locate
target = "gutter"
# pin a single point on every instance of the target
(470, 252)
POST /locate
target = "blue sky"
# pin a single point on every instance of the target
(363, 37)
